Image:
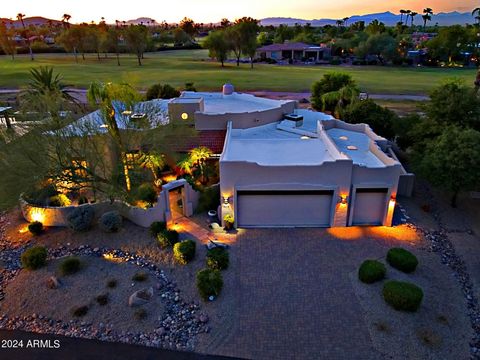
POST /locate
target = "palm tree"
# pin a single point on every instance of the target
(339, 23)
(20, 18)
(44, 82)
(185, 165)
(153, 162)
(407, 13)
(345, 20)
(402, 12)
(427, 16)
(199, 156)
(342, 97)
(65, 20)
(412, 16)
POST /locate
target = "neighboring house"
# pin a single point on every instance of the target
(420, 37)
(295, 51)
(282, 166)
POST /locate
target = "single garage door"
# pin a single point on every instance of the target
(284, 208)
(370, 206)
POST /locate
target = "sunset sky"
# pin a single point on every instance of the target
(214, 10)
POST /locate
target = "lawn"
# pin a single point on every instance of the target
(178, 67)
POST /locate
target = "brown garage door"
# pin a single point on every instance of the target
(284, 208)
(370, 205)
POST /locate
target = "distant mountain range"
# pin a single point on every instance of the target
(388, 18)
(35, 21)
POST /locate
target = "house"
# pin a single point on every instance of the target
(286, 167)
(294, 51)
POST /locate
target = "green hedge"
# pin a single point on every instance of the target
(218, 258)
(402, 260)
(35, 228)
(34, 258)
(402, 295)
(371, 271)
(70, 266)
(209, 283)
(167, 238)
(184, 251)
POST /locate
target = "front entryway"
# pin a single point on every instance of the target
(175, 197)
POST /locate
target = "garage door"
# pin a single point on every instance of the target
(284, 208)
(369, 208)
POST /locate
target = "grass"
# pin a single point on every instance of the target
(178, 67)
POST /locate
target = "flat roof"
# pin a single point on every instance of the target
(281, 143)
(356, 145)
(217, 103)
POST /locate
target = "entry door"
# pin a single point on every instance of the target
(284, 208)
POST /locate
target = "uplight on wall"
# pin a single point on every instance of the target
(225, 200)
(343, 199)
(184, 116)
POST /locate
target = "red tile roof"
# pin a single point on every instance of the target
(212, 139)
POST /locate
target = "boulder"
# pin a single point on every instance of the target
(53, 282)
(140, 297)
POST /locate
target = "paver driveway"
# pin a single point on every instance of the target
(294, 295)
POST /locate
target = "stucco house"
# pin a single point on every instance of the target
(281, 166)
(295, 51)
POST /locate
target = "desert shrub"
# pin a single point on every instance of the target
(167, 238)
(146, 192)
(35, 228)
(140, 277)
(218, 258)
(59, 200)
(229, 221)
(402, 260)
(41, 196)
(70, 266)
(371, 271)
(184, 251)
(112, 283)
(209, 199)
(111, 221)
(189, 86)
(34, 257)
(80, 219)
(102, 299)
(209, 283)
(140, 314)
(159, 91)
(157, 227)
(402, 295)
(79, 311)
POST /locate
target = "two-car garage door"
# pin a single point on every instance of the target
(284, 208)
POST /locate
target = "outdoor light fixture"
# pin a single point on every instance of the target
(225, 200)
(127, 112)
(185, 116)
(343, 199)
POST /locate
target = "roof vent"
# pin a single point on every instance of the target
(298, 119)
(228, 89)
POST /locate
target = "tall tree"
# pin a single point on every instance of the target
(26, 34)
(7, 40)
(189, 26)
(427, 16)
(137, 38)
(217, 46)
(412, 16)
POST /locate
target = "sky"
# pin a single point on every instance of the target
(213, 10)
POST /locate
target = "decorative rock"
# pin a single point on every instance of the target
(203, 318)
(53, 282)
(140, 297)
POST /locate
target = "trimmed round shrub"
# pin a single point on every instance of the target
(112, 283)
(157, 227)
(80, 219)
(209, 283)
(402, 295)
(402, 260)
(70, 266)
(184, 251)
(371, 271)
(111, 221)
(34, 257)
(167, 238)
(35, 228)
(102, 299)
(218, 258)
(146, 192)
